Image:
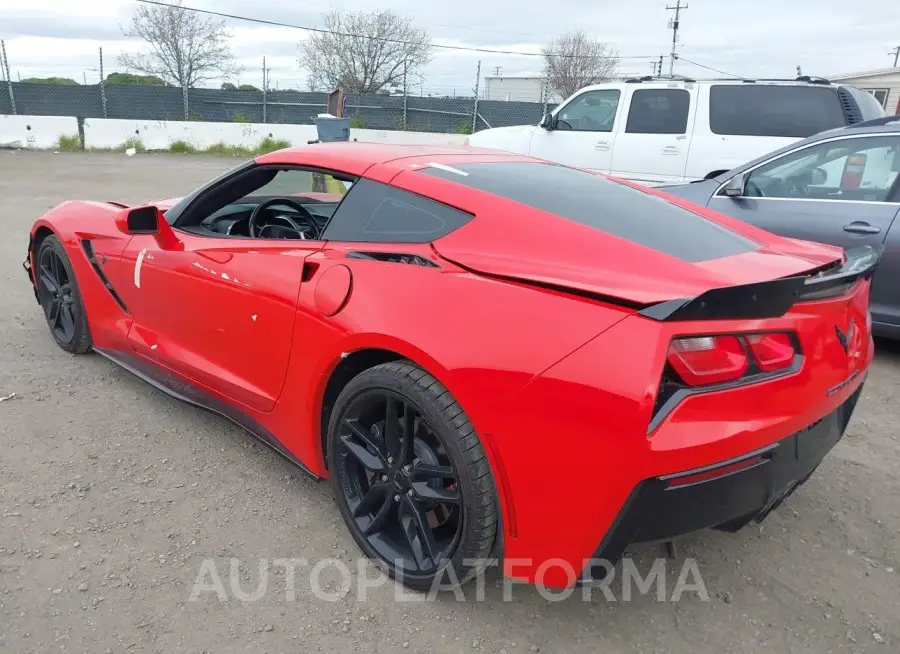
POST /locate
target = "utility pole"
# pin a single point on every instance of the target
(477, 88)
(675, 22)
(896, 53)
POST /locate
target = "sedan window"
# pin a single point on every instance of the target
(862, 169)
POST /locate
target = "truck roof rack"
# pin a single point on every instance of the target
(658, 78)
(875, 122)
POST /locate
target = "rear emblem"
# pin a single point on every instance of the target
(845, 338)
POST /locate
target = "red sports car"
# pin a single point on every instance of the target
(480, 350)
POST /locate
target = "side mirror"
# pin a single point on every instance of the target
(143, 220)
(548, 122)
(148, 220)
(734, 188)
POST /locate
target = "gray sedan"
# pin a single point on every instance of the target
(840, 187)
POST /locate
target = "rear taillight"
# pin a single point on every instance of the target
(772, 351)
(704, 360)
(708, 359)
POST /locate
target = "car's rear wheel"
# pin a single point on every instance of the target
(60, 297)
(411, 478)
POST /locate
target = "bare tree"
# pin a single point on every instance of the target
(574, 60)
(365, 52)
(186, 48)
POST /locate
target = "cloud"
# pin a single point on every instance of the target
(764, 38)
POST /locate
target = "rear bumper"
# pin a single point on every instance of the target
(727, 495)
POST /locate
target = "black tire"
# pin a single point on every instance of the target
(436, 417)
(63, 308)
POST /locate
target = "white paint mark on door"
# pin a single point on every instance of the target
(253, 317)
(137, 267)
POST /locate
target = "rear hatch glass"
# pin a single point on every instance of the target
(773, 110)
(604, 205)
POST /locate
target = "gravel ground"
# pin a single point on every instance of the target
(114, 498)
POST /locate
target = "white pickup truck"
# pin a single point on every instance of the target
(662, 131)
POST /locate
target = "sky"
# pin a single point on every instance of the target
(752, 38)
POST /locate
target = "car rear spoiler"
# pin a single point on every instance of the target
(773, 298)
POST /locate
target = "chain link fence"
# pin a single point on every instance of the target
(383, 112)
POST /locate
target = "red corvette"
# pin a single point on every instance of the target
(485, 353)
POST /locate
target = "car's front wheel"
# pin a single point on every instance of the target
(60, 297)
(411, 478)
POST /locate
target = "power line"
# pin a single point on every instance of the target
(715, 70)
(319, 30)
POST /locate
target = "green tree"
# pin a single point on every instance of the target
(65, 81)
(131, 78)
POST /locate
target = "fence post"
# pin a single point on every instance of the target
(475, 110)
(184, 99)
(102, 85)
(265, 84)
(405, 99)
(4, 62)
(545, 93)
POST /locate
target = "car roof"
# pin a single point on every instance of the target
(356, 158)
(886, 125)
(679, 81)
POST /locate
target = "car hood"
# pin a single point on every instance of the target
(699, 192)
(572, 256)
(497, 136)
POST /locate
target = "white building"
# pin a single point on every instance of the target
(517, 88)
(884, 84)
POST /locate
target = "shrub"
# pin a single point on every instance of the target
(270, 144)
(357, 123)
(181, 147)
(132, 142)
(68, 143)
(222, 149)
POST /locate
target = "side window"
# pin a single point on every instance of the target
(881, 95)
(658, 111)
(592, 111)
(374, 212)
(862, 169)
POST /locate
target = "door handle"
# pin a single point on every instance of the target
(861, 228)
(602, 146)
(670, 149)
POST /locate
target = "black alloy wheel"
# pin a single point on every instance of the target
(410, 476)
(60, 297)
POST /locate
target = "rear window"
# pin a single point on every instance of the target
(602, 204)
(658, 111)
(773, 110)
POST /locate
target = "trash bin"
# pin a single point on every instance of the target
(332, 129)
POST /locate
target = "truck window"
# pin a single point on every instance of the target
(592, 111)
(773, 110)
(658, 111)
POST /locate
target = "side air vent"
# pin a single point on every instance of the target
(851, 109)
(88, 248)
(394, 257)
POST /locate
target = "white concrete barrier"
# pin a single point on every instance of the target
(160, 134)
(35, 131)
(406, 138)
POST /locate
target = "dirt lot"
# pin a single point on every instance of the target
(113, 495)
